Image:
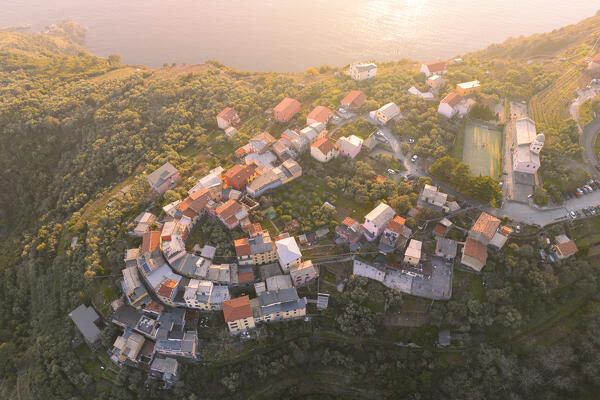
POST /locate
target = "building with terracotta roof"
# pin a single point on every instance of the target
(227, 117)
(239, 176)
(434, 68)
(349, 231)
(474, 255)
(286, 109)
(449, 105)
(238, 314)
(484, 229)
(395, 234)
(354, 100)
(564, 247)
(150, 242)
(323, 150)
(231, 213)
(320, 114)
(362, 71)
(245, 274)
(167, 291)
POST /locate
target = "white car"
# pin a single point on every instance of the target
(391, 171)
(411, 140)
(414, 158)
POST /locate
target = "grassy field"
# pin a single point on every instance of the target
(483, 150)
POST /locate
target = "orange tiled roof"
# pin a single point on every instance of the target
(440, 229)
(238, 175)
(154, 306)
(476, 250)
(348, 221)
(396, 224)
(436, 66)
(245, 276)
(355, 98)
(150, 241)
(286, 105)
(238, 308)
(452, 99)
(166, 288)
(229, 209)
(228, 113)
(566, 249)
(324, 145)
(320, 114)
(486, 224)
(242, 247)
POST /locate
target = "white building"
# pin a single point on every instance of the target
(412, 255)
(527, 146)
(349, 146)
(449, 105)
(434, 68)
(289, 253)
(387, 112)
(376, 220)
(323, 150)
(362, 71)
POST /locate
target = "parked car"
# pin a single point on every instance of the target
(414, 158)
(578, 193)
(591, 189)
(411, 140)
(391, 171)
(573, 215)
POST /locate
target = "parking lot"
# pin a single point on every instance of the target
(584, 201)
(439, 286)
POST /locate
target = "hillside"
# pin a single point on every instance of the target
(78, 132)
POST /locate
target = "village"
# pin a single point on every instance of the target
(169, 282)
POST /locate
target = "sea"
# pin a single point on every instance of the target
(292, 35)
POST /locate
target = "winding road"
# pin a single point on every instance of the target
(588, 139)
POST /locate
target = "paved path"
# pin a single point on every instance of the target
(588, 138)
(584, 94)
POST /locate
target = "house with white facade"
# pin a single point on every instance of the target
(449, 105)
(387, 113)
(362, 71)
(323, 150)
(527, 146)
(432, 68)
(289, 253)
(376, 220)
